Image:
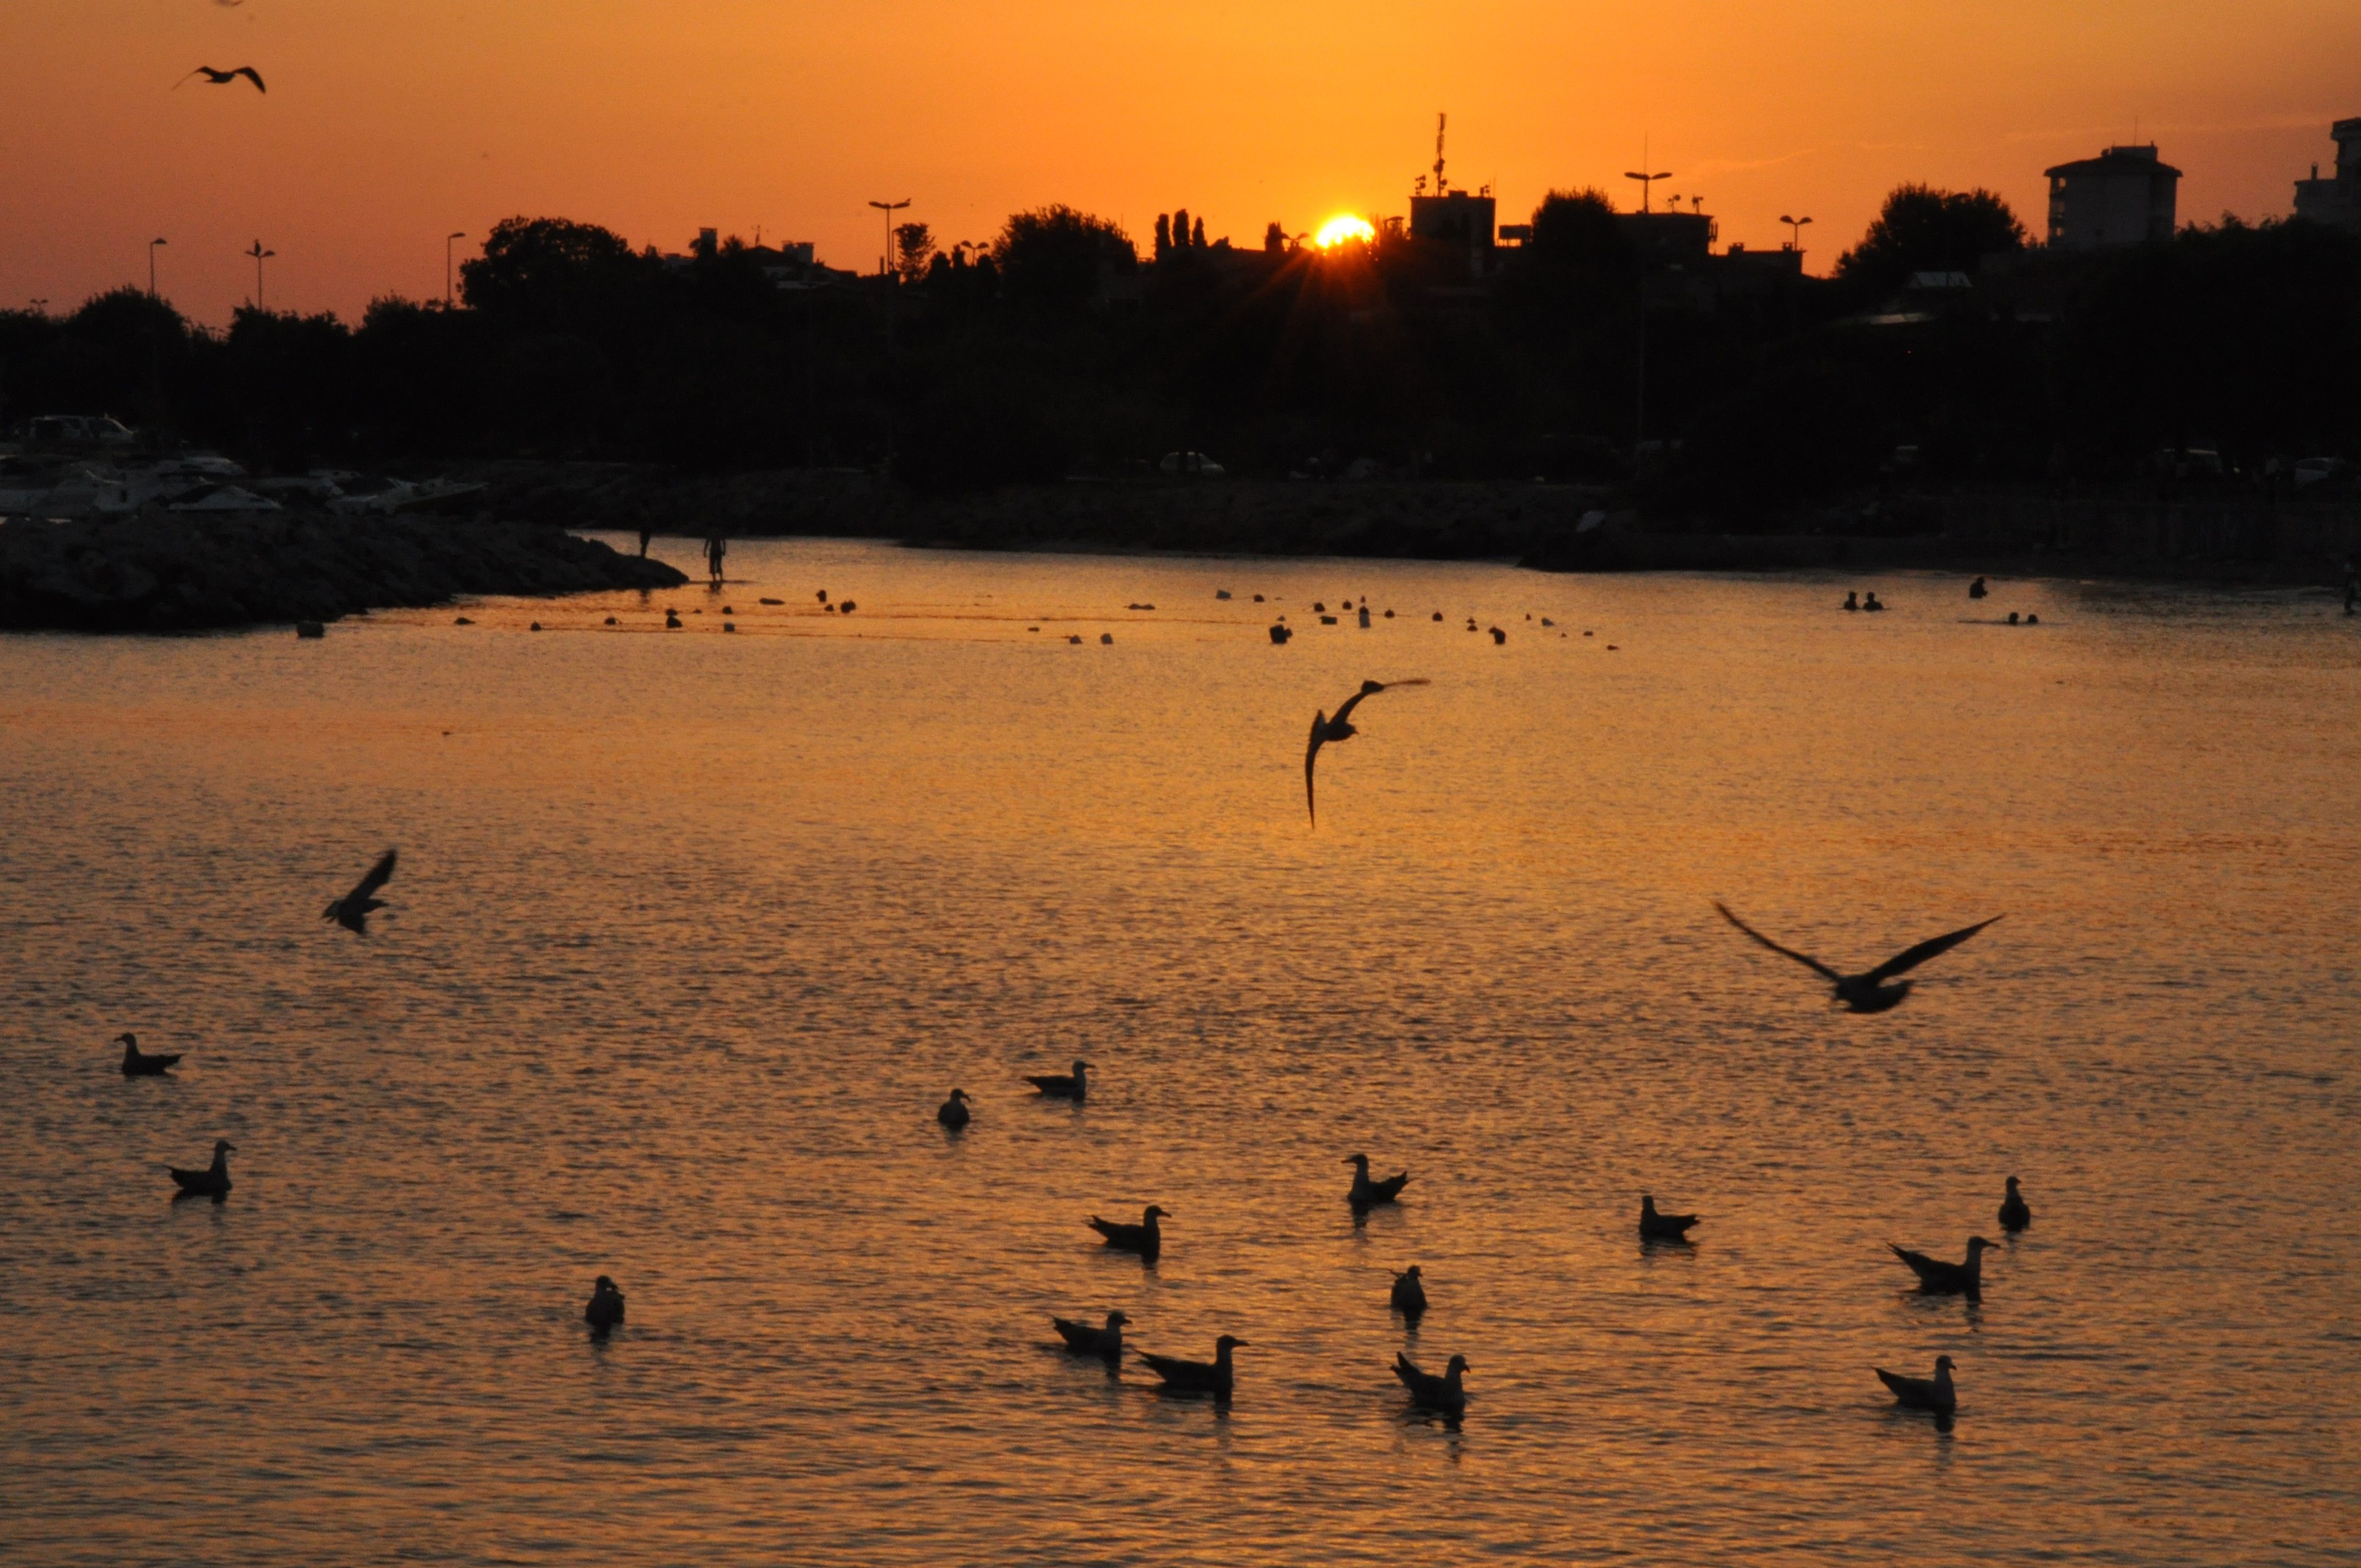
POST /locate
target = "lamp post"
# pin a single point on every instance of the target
(455, 234)
(1647, 183)
(1640, 397)
(886, 264)
(42, 306)
(1795, 231)
(886, 271)
(259, 254)
(151, 267)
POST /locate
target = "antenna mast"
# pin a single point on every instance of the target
(1439, 186)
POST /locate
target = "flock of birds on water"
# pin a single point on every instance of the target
(1876, 990)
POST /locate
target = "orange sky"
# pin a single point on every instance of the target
(390, 123)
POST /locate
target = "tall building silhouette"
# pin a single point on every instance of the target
(2122, 196)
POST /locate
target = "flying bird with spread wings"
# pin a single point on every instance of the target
(352, 910)
(223, 78)
(1326, 730)
(1868, 993)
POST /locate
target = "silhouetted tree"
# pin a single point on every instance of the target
(1922, 229)
(914, 247)
(1163, 236)
(550, 269)
(1197, 235)
(1051, 256)
(1179, 228)
(1274, 238)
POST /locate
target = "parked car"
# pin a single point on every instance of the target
(1195, 463)
(76, 430)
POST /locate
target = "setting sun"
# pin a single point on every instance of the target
(1340, 230)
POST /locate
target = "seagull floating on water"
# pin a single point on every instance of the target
(1868, 993)
(1198, 1376)
(1409, 1295)
(1366, 1191)
(1075, 1085)
(352, 910)
(211, 1182)
(1084, 1339)
(1937, 1278)
(953, 1112)
(223, 78)
(1326, 730)
(1144, 1238)
(605, 1310)
(1934, 1392)
(1444, 1393)
(1655, 1227)
(2013, 1215)
(138, 1063)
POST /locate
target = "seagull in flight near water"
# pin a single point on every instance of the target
(223, 78)
(352, 910)
(1326, 730)
(1868, 993)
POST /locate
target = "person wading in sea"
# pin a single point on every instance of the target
(715, 549)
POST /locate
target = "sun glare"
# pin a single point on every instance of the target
(1343, 230)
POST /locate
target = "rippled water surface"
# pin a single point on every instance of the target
(693, 930)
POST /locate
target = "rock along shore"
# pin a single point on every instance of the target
(182, 573)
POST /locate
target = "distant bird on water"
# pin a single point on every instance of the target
(138, 1063)
(1144, 1238)
(1934, 1392)
(1075, 1085)
(1937, 1278)
(1365, 1192)
(1409, 1295)
(1444, 1393)
(211, 1182)
(2014, 1213)
(223, 78)
(1084, 1339)
(953, 1112)
(1868, 993)
(605, 1310)
(1198, 1376)
(1655, 1227)
(1326, 730)
(352, 910)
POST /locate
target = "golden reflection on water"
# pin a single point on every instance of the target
(693, 930)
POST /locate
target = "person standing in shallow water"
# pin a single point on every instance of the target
(715, 549)
(645, 535)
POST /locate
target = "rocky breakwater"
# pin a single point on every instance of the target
(180, 573)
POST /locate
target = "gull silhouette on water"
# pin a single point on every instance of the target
(1326, 730)
(605, 1310)
(352, 910)
(1937, 1278)
(1197, 1377)
(1063, 1086)
(1365, 1192)
(1444, 1393)
(138, 1063)
(953, 1112)
(1655, 1227)
(1934, 1392)
(1144, 1238)
(211, 1182)
(2013, 1215)
(1409, 1294)
(1084, 1339)
(1868, 993)
(223, 78)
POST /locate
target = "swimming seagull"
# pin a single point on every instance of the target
(1063, 1086)
(1144, 1238)
(223, 78)
(211, 1182)
(1366, 1191)
(1934, 1392)
(1409, 1295)
(1198, 1376)
(1868, 993)
(1937, 1278)
(1326, 730)
(352, 910)
(953, 1112)
(605, 1310)
(1084, 1339)
(2013, 1215)
(138, 1063)
(1444, 1393)
(1655, 1227)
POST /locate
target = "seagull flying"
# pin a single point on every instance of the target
(138, 1063)
(223, 78)
(1934, 1392)
(352, 911)
(1326, 730)
(1868, 993)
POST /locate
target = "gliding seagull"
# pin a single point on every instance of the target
(1326, 730)
(352, 911)
(223, 78)
(1868, 993)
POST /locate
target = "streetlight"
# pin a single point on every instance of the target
(455, 234)
(151, 267)
(258, 253)
(889, 209)
(42, 306)
(1795, 231)
(1647, 183)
